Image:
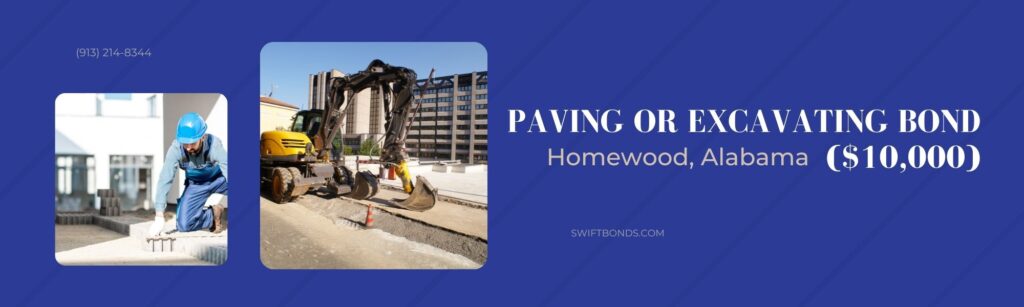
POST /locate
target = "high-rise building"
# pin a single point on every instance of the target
(452, 120)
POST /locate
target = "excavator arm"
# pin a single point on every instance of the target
(395, 85)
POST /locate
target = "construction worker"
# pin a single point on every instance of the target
(205, 161)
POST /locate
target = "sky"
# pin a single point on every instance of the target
(285, 67)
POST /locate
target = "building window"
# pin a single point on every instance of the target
(481, 96)
(352, 142)
(481, 116)
(481, 106)
(350, 115)
(464, 98)
(480, 127)
(75, 182)
(482, 86)
(75, 174)
(375, 113)
(464, 107)
(440, 90)
(464, 88)
(152, 105)
(117, 96)
(130, 179)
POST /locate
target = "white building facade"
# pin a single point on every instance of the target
(117, 141)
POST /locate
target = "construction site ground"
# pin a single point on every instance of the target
(445, 214)
(318, 231)
(120, 240)
(94, 245)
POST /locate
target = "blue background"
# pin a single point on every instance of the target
(735, 237)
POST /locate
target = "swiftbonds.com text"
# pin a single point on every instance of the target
(617, 233)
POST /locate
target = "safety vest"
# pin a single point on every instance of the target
(199, 171)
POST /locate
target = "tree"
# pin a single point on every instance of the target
(338, 147)
(369, 147)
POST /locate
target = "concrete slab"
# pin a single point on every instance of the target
(214, 250)
(470, 186)
(122, 251)
(95, 245)
(469, 168)
(104, 242)
(203, 245)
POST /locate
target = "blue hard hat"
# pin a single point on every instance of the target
(191, 128)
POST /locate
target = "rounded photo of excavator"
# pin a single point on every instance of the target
(373, 155)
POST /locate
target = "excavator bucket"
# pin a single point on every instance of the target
(423, 196)
(365, 186)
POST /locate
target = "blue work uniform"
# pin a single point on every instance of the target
(206, 172)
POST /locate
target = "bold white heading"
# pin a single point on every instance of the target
(743, 121)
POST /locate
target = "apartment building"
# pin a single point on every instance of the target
(452, 121)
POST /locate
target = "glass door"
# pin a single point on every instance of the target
(130, 180)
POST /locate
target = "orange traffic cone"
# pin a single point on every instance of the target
(369, 217)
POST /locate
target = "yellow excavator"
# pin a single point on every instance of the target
(295, 162)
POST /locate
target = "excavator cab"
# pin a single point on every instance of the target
(306, 121)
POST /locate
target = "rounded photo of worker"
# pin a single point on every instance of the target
(141, 179)
(373, 155)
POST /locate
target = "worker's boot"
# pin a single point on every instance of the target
(220, 219)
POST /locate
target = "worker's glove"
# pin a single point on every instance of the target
(158, 225)
(214, 199)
